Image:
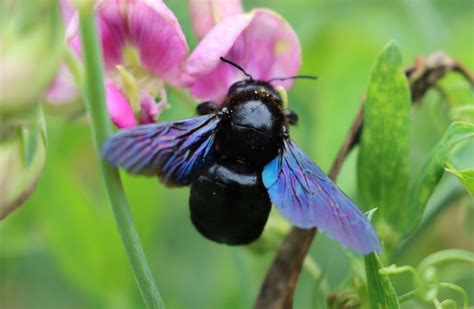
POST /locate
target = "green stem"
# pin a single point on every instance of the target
(446, 256)
(437, 304)
(449, 302)
(313, 269)
(406, 296)
(458, 289)
(73, 65)
(94, 92)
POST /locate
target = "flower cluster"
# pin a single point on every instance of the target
(144, 50)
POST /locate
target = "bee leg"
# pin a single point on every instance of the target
(207, 107)
(291, 116)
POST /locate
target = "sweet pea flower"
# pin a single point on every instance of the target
(205, 14)
(260, 41)
(121, 112)
(143, 48)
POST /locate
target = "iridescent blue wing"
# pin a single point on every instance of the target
(308, 198)
(174, 151)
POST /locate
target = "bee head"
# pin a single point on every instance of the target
(257, 89)
(254, 89)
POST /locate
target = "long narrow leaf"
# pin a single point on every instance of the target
(431, 173)
(466, 176)
(381, 292)
(384, 148)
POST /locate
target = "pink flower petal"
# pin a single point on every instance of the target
(266, 47)
(119, 109)
(278, 45)
(157, 34)
(150, 110)
(63, 88)
(113, 32)
(215, 85)
(205, 14)
(147, 25)
(73, 36)
(67, 11)
(215, 44)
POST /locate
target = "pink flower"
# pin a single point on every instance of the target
(260, 41)
(205, 14)
(67, 11)
(121, 111)
(63, 90)
(143, 47)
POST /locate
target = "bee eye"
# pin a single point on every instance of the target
(291, 116)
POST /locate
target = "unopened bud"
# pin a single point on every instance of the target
(22, 158)
(30, 50)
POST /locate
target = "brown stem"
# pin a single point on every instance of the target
(278, 288)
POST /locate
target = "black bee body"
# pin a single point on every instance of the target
(229, 204)
(228, 201)
(239, 160)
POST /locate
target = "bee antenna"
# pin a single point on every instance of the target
(293, 77)
(232, 63)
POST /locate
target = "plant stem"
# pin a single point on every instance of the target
(406, 296)
(94, 92)
(294, 248)
(458, 289)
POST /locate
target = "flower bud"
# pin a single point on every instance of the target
(22, 158)
(346, 298)
(30, 50)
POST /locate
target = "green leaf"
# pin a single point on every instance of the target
(81, 235)
(431, 173)
(30, 141)
(33, 132)
(466, 176)
(383, 157)
(381, 292)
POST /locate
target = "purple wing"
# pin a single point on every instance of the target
(308, 198)
(174, 151)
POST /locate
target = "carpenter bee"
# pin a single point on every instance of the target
(239, 159)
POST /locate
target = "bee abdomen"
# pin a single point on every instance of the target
(229, 204)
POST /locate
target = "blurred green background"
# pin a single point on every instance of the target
(61, 249)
